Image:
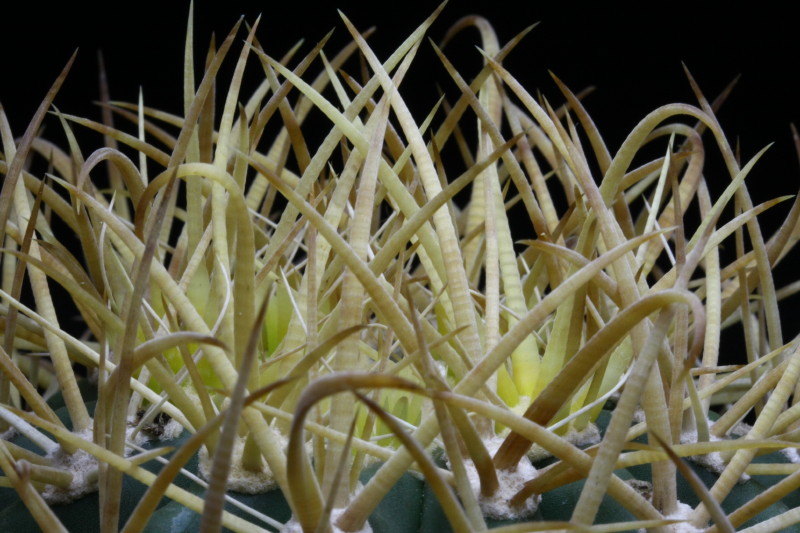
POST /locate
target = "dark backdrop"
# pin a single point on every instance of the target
(632, 56)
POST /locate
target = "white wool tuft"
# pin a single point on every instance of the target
(791, 454)
(83, 467)
(511, 481)
(239, 479)
(588, 436)
(683, 513)
(172, 430)
(292, 526)
(713, 462)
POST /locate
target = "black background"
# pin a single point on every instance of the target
(632, 55)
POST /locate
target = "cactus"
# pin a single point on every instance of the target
(288, 331)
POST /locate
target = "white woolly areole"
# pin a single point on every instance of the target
(169, 431)
(172, 430)
(791, 454)
(8, 434)
(83, 467)
(239, 479)
(713, 462)
(292, 526)
(683, 513)
(588, 436)
(510, 482)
